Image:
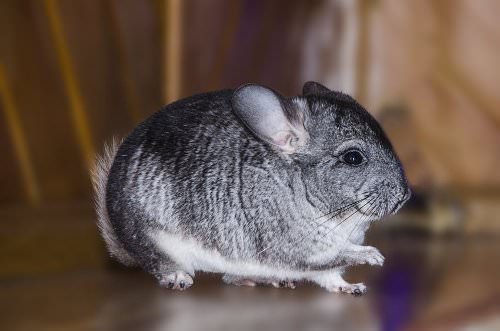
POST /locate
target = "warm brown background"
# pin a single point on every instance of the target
(74, 74)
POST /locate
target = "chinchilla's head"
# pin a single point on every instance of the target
(345, 159)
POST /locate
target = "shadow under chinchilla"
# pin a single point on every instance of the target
(208, 307)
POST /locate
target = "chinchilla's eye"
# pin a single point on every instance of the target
(353, 157)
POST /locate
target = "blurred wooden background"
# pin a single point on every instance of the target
(75, 73)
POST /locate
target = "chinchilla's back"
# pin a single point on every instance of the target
(187, 170)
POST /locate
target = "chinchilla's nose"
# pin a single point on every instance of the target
(408, 194)
(403, 191)
(404, 195)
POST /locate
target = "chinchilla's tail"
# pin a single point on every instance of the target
(99, 180)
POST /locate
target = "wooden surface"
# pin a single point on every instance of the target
(75, 73)
(48, 239)
(426, 284)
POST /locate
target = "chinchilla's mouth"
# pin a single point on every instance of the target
(398, 206)
(401, 203)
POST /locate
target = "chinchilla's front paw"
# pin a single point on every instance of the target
(370, 255)
(284, 284)
(353, 289)
(177, 280)
(332, 281)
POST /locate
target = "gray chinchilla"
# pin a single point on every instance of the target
(259, 187)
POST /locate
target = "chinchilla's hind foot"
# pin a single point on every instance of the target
(284, 284)
(177, 280)
(238, 281)
(246, 281)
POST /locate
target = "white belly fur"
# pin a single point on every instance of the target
(191, 256)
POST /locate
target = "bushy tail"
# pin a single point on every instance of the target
(100, 175)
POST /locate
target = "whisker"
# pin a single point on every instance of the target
(370, 209)
(337, 211)
(352, 203)
(343, 221)
(348, 217)
(320, 224)
(352, 230)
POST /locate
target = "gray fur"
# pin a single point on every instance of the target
(196, 187)
(99, 177)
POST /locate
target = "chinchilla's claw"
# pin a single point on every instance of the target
(178, 280)
(284, 284)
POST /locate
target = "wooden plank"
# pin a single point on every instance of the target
(173, 51)
(75, 97)
(18, 139)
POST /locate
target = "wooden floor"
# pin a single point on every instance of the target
(426, 284)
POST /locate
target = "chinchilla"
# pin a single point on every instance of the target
(262, 188)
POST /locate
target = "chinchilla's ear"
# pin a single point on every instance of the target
(311, 88)
(267, 115)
